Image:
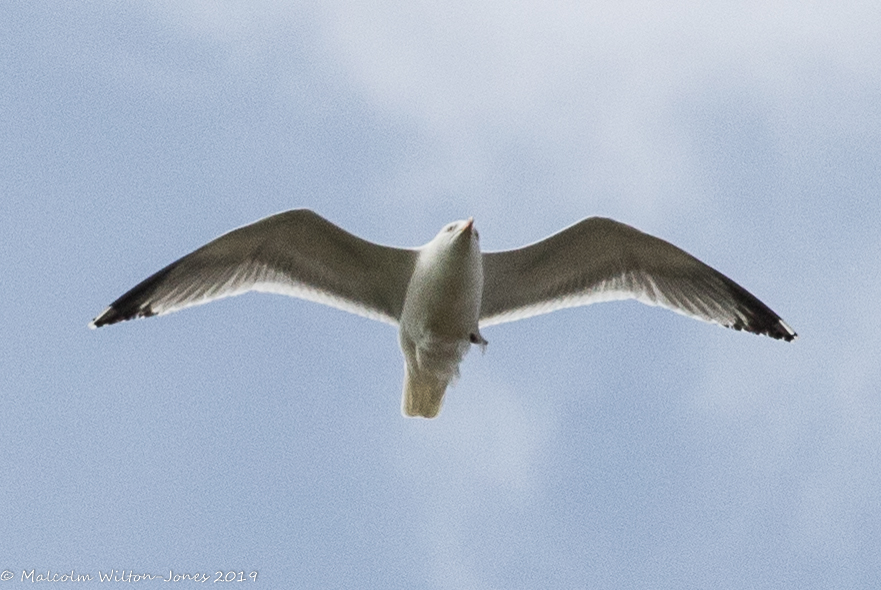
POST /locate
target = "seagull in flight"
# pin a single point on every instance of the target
(442, 294)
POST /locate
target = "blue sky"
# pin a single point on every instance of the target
(611, 446)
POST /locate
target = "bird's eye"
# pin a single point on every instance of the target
(476, 235)
(450, 227)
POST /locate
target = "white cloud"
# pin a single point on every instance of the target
(592, 90)
(585, 103)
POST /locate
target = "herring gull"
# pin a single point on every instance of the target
(441, 294)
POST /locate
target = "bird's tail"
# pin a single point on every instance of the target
(423, 393)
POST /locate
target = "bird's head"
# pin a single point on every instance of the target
(459, 232)
(458, 240)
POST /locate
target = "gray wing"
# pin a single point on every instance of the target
(602, 260)
(295, 253)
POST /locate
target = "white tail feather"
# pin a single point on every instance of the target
(423, 394)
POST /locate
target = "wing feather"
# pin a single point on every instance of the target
(296, 253)
(600, 259)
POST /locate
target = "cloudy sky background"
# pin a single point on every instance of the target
(610, 446)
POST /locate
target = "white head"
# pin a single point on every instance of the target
(460, 234)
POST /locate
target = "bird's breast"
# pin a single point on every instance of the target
(443, 297)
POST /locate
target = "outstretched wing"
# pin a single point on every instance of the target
(602, 260)
(295, 253)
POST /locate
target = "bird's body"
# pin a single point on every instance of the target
(441, 294)
(440, 318)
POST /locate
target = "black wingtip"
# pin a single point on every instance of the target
(784, 332)
(133, 304)
(109, 316)
(773, 327)
(101, 320)
(112, 315)
(780, 331)
(756, 317)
